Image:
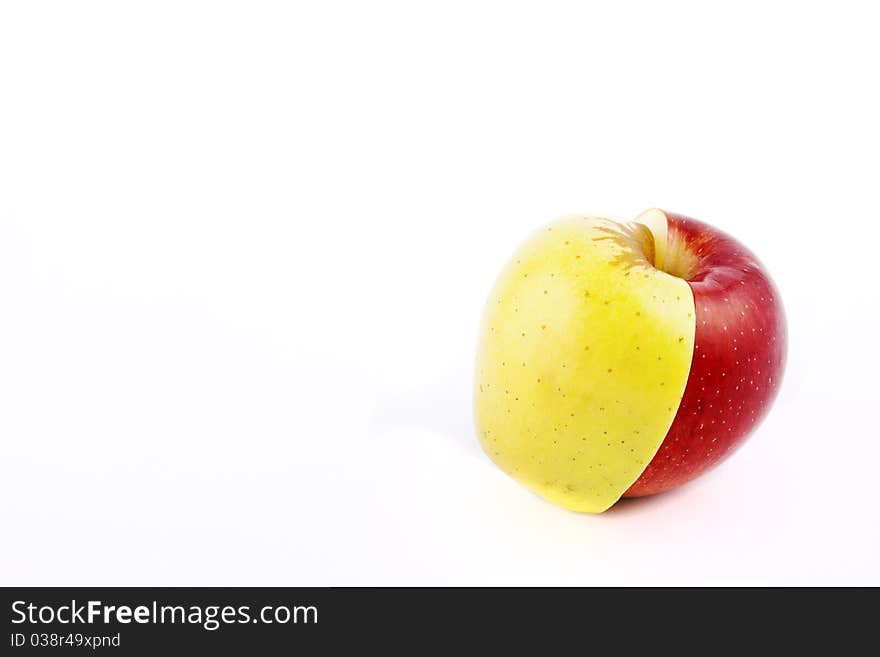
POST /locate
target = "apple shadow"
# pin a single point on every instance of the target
(443, 406)
(628, 506)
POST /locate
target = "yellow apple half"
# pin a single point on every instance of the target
(584, 353)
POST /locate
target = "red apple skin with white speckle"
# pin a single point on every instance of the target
(739, 357)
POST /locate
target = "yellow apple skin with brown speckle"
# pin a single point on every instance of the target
(584, 353)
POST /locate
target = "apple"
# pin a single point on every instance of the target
(622, 359)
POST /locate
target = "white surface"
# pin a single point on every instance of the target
(244, 249)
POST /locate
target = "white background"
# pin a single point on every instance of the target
(244, 249)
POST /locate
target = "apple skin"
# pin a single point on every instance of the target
(739, 356)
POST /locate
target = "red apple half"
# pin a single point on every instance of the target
(739, 354)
